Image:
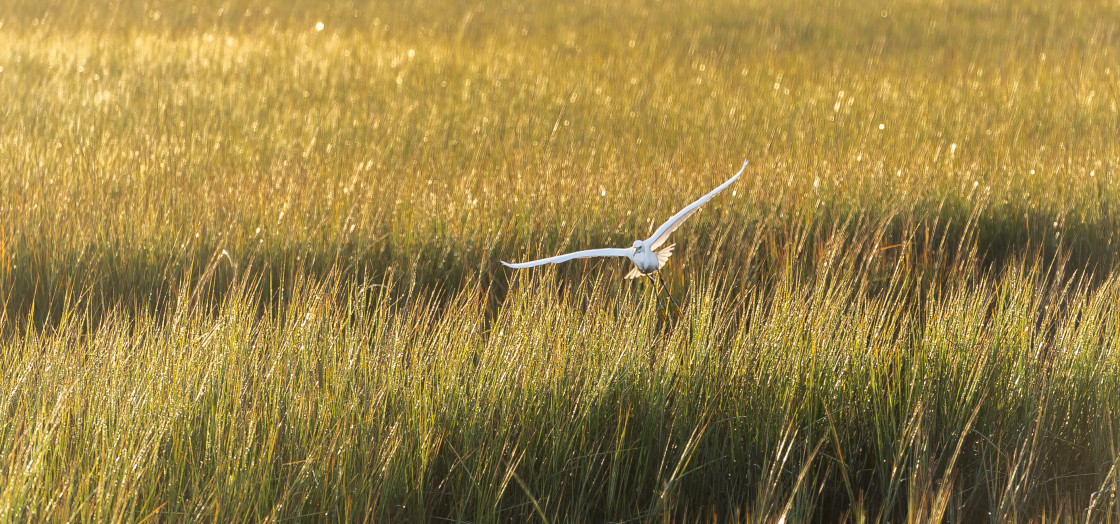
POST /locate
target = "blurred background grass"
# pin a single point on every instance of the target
(142, 138)
(260, 260)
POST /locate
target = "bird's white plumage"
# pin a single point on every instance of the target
(588, 253)
(662, 259)
(662, 234)
(640, 253)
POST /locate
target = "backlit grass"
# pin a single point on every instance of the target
(249, 267)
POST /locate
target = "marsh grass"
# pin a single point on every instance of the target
(249, 269)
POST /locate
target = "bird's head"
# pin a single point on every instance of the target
(638, 245)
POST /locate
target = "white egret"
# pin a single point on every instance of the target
(644, 254)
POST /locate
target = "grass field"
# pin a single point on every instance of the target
(249, 261)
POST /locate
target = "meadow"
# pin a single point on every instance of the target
(249, 261)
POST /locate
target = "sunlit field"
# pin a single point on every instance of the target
(250, 261)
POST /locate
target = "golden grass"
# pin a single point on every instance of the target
(249, 268)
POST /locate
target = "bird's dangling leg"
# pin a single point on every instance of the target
(662, 287)
(650, 277)
(667, 292)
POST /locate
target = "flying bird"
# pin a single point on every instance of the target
(645, 254)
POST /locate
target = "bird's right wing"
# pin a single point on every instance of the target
(605, 252)
(662, 234)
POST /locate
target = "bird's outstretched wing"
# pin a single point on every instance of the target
(662, 234)
(605, 252)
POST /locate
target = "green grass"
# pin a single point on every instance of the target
(249, 269)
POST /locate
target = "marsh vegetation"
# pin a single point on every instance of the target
(249, 261)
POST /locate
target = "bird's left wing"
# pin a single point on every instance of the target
(662, 234)
(605, 252)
